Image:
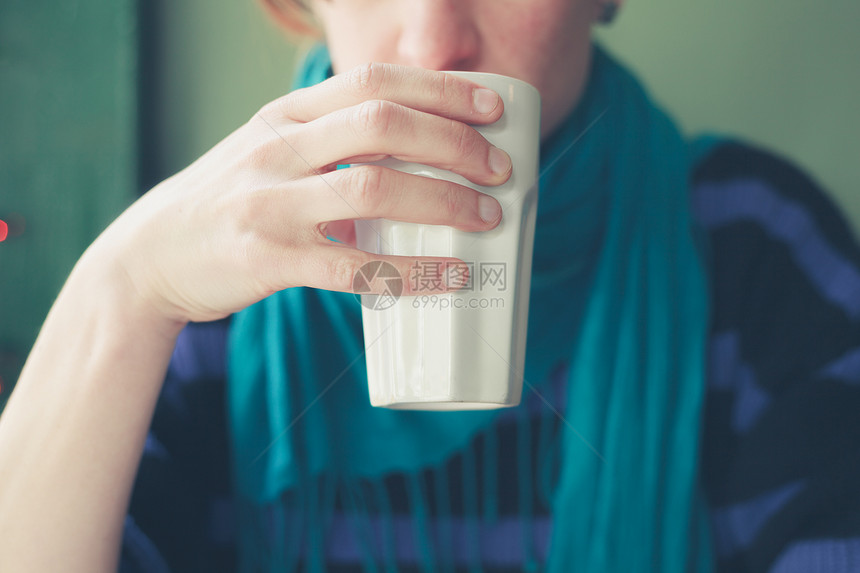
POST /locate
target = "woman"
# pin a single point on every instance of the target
(636, 312)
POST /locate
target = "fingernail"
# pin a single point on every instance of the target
(485, 101)
(489, 209)
(500, 162)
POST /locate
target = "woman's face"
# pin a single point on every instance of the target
(543, 42)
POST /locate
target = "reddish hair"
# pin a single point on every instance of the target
(293, 15)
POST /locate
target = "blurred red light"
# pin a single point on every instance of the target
(4, 230)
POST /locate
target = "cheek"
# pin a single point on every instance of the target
(532, 36)
(351, 43)
(546, 46)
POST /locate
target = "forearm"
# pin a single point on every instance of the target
(73, 430)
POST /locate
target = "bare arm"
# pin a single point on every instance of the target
(247, 219)
(72, 433)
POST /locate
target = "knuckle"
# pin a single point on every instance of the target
(275, 108)
(259, 157)
(247, 247)
(268, 109)
(287, 106)
(451, 202)
(248, 241)
(267, 147)
(367, 79)
(247, 215)
(340, 272)
(447, 89)
(373, 116)
(365, 187)
(464, 143)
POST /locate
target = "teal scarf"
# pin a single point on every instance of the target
(618, 291)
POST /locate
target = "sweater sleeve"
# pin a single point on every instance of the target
(782, 435)
(179, 516)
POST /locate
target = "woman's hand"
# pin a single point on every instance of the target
(248, 218)
(251, 216)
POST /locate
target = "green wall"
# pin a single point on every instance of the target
(784, 73)
(219, 63)
(68, 149)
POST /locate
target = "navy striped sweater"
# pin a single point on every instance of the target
(779, 462)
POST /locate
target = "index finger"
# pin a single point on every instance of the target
(425, 90)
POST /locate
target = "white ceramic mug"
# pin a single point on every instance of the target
(461, 350)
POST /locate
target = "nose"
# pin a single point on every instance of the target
(438, 35)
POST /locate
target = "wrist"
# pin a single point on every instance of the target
(103, 285)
